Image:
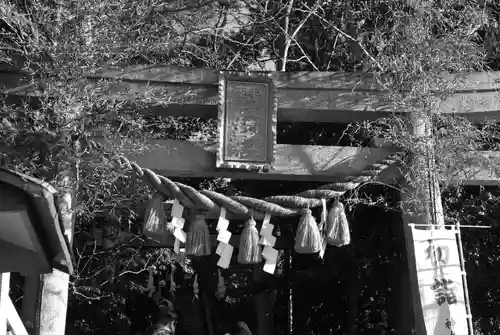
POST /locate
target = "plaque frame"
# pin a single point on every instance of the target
(271, 118)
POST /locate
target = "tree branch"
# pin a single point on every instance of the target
(353, 40)
(291, 38)
(238, 53)
(169, 9)
(288, 38)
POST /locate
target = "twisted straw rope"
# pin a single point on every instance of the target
(280, 205)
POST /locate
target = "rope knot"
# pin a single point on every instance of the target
(306, 211)
(199, 214)
(250, 223)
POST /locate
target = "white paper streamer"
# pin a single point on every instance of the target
(226, 256)
(271, 256)
(220, 248)
(324, 217)
(177, 246)
(178, 223)
(268, 241)
(224, 249)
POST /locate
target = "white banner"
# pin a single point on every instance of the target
(440, 282)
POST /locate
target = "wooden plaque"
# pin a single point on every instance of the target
(246, 122)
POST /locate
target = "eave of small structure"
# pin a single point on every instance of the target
(44, 197)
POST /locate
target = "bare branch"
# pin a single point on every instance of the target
(238, 53)
(351, 39)
(287, 36)
(291, 38)
(169, 9)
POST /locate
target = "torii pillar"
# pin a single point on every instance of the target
(421, 202)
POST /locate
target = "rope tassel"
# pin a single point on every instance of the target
(198, 238)
(337, 231)
(249, 249)
(155, 221)
(308, 238)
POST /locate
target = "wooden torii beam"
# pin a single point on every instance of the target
(176, 158)
(327, 96)
(302, 97)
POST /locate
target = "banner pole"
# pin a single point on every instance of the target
(464, 279)
(452, 226)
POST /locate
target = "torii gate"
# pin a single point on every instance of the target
(323, 97)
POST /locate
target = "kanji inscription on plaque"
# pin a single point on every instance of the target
(247, 122)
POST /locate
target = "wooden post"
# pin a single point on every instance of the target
(421, 201)
(54, 295)
(264, 300)
(264, 309)
(4, 295)
(31, 298)
(10, 322)
(46, 296)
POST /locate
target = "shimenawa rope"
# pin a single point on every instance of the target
(281, 205)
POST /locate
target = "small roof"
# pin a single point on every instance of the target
(44, 198)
